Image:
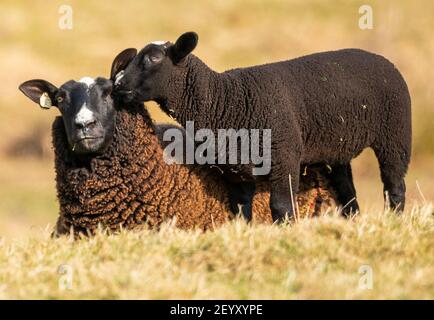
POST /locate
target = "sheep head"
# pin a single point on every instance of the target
(156, 69)
(87, 106)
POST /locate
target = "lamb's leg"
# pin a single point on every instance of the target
(242, 194)
(286, 150)
(350, 178)
(393, 168)
(341, 179)
(392, 147)
(394, 187)
(283, 193)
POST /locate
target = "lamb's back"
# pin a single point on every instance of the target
(341, 100)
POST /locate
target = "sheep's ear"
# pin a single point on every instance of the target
(40, 91)
(184, 45)
(121, 61)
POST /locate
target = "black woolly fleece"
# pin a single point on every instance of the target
(322, 108)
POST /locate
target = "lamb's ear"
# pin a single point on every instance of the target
(121, 61)
(40, 91)
(184, 45)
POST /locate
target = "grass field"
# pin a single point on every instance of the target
(377, 255)
(317, 258)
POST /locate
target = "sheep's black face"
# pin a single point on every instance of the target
(88, 113)
(147, 76)
(155, 69)
(87, 110)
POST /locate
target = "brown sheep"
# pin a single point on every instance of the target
(131, 185)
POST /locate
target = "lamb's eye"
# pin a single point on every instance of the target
(156, 58)
(59, 99)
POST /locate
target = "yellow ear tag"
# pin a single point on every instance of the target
(45, 101)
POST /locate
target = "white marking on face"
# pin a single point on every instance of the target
(85, 115)
(87, 81)
(119, 76)
(159, 42)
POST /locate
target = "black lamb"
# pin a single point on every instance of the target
(322, 108)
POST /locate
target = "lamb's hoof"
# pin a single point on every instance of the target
(280, 217)
(350, 211)
(245, 210)
(348, 214)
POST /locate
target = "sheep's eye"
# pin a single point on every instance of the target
(156, 58)
(59, 99)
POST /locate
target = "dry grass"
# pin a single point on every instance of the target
(237, 261)
(318, 258)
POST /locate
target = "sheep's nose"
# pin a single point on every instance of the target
(85, 118)
(84, 123)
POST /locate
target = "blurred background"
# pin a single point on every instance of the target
(233, 33)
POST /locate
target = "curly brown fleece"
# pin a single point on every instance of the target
(130, 185)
